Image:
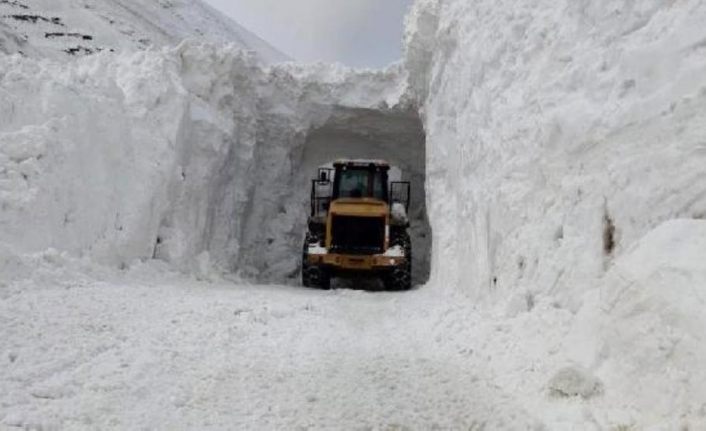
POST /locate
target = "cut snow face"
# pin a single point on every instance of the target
(558, 136)
(196, 155)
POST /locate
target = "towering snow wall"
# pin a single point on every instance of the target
(193, 155)
(559, 133)
(563, 140)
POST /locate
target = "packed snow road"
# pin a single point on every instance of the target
(184, 354)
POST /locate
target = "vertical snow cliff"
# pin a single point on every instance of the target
(559, 134)
(564, 138)
(197, 155)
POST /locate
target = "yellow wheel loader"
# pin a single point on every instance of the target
(358, 226)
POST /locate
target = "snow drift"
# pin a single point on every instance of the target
(653, 304)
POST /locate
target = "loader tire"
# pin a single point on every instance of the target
(313, 276)
(400, 278)
(316, 277)
(403, 240)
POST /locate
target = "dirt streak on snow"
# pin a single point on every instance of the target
(62, 30)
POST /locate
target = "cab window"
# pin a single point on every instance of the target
(356, 183)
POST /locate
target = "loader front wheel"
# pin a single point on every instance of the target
(316, 277)
(400, 278)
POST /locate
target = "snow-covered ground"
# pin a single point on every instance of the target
(152, 350)
(88, 347)
(559, 150)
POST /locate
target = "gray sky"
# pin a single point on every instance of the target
(354, 32)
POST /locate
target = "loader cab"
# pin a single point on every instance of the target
(357, 180)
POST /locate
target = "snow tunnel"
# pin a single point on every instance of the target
(395, 136)
(277, 226)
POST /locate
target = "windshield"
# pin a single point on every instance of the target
(361, 183)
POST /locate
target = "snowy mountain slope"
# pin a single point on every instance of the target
(9, 41)
(59, 27)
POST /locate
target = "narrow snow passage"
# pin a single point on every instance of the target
(186, 355)
(271, 222)
(393, 135)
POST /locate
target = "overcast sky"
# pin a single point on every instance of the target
(354, 32)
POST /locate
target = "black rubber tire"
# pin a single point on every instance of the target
(316, 277)
(400, 278)
(313, 276)
(402, 239)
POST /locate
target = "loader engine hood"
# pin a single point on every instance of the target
(358, 226)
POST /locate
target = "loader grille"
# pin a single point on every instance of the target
(358, 235)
